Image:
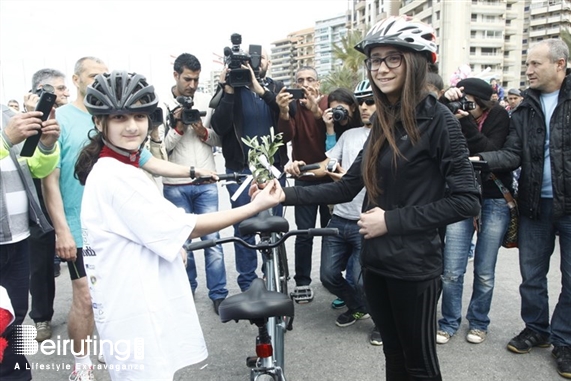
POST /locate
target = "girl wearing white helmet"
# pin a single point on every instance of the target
(414, 153)
(142, 302)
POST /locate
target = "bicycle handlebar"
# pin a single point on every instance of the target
(262, 244)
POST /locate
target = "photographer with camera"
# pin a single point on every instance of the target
(485, 126)
(240, 112)
(342, 115)
(301, 121)
(189, 142)
(44, 264)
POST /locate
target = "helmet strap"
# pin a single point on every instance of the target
(133, 156)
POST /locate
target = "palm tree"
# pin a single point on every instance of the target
(351, 71)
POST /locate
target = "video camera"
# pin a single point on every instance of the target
(461, 104)
(188, 115)
(234, 58)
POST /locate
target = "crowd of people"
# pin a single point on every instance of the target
(395, 178)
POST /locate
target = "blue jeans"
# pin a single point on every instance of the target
(246, 259)
(338, 251)
(15, 278)
(305, 218)
(536, 241)
(201, 199)
(495, 218)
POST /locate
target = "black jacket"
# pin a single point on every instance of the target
(227, 123)
(413, 196)
(492, 137)
(525, 146)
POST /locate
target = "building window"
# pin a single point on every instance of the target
(472, 51)
(474, 17)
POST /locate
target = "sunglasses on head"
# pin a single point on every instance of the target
(368, 102)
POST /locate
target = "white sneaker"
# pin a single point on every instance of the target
(476, 336)
(82, 375)
(442, 337)
(101, 358)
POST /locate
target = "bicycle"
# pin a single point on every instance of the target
(266, 303)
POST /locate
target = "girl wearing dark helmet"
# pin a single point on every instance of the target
(142, 301)
(414, 152)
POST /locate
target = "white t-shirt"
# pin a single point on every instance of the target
(138, 284)
(346, 151)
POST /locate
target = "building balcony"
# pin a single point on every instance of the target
(488, 9)
(512, 14)
(487, 60)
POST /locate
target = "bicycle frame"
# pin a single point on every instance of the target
(268, 305)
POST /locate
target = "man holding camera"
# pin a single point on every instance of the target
(246, 111)
(189, 142)
(302, 124)
(42, 244)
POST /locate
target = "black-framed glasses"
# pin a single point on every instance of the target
(392, 61)
(368, 101)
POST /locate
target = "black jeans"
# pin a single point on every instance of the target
(42, 282)
(15, 278)
(405, 313)
(305, 218)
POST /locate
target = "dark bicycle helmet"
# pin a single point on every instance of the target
(120, 92)
(363, 89)
(401, 31)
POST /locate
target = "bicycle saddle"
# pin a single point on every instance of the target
(255, 303)
(264, 222)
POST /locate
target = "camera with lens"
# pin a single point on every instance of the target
(235, 57)
(340, 113)
(188, 115)
(461, 104)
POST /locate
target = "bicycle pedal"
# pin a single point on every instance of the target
(302, 294)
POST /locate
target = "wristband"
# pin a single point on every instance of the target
(192, 173)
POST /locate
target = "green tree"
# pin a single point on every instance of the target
(351, 71)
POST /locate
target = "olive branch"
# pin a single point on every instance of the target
(262, 153)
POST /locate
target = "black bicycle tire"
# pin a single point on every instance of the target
(283, 268)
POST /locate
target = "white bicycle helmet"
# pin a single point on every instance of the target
(363, 89)
(120, 92)
(401, 31)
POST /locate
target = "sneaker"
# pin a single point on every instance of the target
(563, 358)
(375, 337)
(44, 331)
(57, 270)
(302, 294)
(82, 375)
(337, 304)
(442, 337)
(476, 336)
(526, 340)
(348, 318)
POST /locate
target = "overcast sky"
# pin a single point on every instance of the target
(139, 35)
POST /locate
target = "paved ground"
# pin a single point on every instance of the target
(319, 350)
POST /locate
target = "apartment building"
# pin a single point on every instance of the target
(327, 34)
(291, 53)
(491, 36)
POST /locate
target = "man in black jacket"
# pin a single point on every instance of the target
(242, 112)
(539, 140)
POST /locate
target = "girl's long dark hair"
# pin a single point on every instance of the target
(387, 115)
(347, 97)
(90, 153)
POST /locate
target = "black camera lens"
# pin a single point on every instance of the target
(340, 113)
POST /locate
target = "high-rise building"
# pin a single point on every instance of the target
(327, 34)
(291, 53)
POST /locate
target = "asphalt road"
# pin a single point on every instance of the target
(318, 350)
